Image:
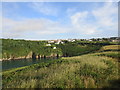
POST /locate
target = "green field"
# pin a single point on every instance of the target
(112, 54)
(112, 51)
(86, 71)
(110, 47)
(93, 70)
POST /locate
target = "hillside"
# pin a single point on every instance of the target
(86, 71)
(14, 49)
(20, 49)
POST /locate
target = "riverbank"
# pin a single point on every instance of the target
(19, 58)
(86, 71)
(13, 59)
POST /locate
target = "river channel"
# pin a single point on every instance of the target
(9, 64)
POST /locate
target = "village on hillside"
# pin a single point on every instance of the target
(58, 41)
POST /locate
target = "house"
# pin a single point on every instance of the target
(48, 44)
(62, 42)
(89, 40)
(71, 40)
(115, 40)
(54, 47)
(51, 41)
(57, 41)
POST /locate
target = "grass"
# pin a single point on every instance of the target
(110, 47)
(110, 51)
(86, 71)
(113, 54)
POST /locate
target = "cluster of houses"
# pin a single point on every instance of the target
(56, 41)
(62, 41)
(111, 39)
(115, 39)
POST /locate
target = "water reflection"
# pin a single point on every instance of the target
(22, 62)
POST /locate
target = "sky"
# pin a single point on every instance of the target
(59, 20)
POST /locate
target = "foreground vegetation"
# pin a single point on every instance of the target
(86, 71)
(94, 70)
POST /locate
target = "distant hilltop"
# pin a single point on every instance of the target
(111, 39)
(57, 41)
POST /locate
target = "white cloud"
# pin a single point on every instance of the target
(38, 26)
(45, 8)
(79, 18)
(106, 14)
(81, 24)
(104, 19)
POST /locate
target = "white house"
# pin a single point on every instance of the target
(54, 47)
(48, 44)
(51, 41)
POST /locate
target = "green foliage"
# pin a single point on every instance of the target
(110, 48)
(74, 49)
(21, 48)
(113, 54)
(86, 71)
(94, 42)
(18, 48)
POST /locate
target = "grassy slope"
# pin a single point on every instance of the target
(113, 54)
(86, 71)
(110, 47)
(110, 51)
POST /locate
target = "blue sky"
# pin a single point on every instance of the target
(59, 20)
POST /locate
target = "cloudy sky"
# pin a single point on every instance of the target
(59, 20)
